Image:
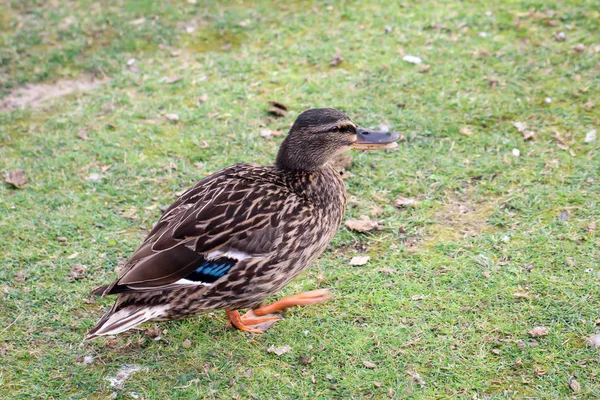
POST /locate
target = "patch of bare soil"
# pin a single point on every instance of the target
(35, 94)
(460, 217)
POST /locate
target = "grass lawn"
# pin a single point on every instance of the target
(503, 237)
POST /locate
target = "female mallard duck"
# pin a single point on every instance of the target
(243, 233)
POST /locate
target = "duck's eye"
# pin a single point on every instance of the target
(334, 129)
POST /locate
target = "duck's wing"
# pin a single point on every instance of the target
(226, 218)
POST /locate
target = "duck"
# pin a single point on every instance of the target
(242, 234)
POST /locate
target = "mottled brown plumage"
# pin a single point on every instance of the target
(241, 234)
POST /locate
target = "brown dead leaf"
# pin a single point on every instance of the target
(20, 277)
(82, 134)
(369, 364)
(278, 350)
(359, 260)
(574, 385)
(78, 271)
(130, 213)
(465, 131)
(402, 202)
(305, 360)
(172, 79)
(528, 135)
(521, 126)
(277, 109)
(363, 224)
(538, 331)
(279, 105)
(594, 340)
(16, 178)
(336, 60)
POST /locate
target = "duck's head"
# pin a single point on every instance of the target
(318, 135)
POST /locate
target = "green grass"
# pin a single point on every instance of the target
(467, 335)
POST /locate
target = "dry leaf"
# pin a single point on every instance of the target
(594, 340)
(363, 224)
(82, 134)
(278, 350)
(138, 21)
(336, 60)
(359, 260)
(172, 79)
(94, 177)
(574, 385)
(591, 227)
(369, 364)
(538, 331)
(465, 131)
(278, 109)
(72, 256)
(521, 126)
(405, 202)
(78, 271)
(266, 133)
(528, 135)
(16, 178)
(279, 105)
(20, 277)
(304, 359)
(172, 117)
(131, 213)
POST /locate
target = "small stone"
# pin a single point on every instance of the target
(187, 343)
(579, 48)
(172, 117)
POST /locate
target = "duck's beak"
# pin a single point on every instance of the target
(368, 139)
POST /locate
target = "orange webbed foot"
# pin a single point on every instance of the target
(302, 299)
(250, 322)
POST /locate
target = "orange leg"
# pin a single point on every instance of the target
(245, 323)
(302, 299)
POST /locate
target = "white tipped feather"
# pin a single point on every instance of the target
(231, 253)
(126, 319)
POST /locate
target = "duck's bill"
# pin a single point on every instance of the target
(368, 139)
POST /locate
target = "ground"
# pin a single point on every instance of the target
(482, 280)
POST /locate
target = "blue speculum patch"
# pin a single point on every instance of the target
(210, 271)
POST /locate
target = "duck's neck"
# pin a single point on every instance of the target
(295, 157)
(323, 186)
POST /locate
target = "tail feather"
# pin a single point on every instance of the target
(117, 321)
